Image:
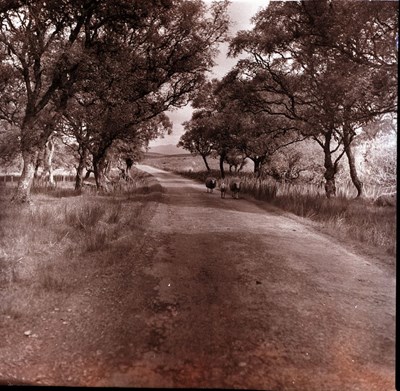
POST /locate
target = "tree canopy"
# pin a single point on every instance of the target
(134, 59)
(330, 67)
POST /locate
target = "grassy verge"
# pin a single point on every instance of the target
(343, 216)
(45, 247)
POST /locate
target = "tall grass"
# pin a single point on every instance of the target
(42, 245)
(344, 216)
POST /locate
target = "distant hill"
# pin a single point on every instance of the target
(168, 149)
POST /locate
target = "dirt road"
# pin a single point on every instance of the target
(225, 294)
(245, 297)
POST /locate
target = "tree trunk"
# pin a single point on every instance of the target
(79, 176)
(22, 193)
(129, 164)
(39, 162)
(242, 165)
(32, 143)
(330, 169)
(330, 184)
(48, 162)
(88, 172)
(206, 163)
(221, 166)
(257, 166)
(100, 166)
(353, 172)
(352, 163)
(83, 152)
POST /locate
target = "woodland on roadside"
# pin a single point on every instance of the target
(312, 99)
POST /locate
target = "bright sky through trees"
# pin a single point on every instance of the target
(241, 11)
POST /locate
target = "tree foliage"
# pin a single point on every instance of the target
(134, 59)
(329, 67)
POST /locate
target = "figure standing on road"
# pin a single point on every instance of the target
(235, 187)
(211, 183)
(223, 189)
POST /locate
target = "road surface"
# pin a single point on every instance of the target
(245, 296)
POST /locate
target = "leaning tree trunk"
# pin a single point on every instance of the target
(241, 165)
(352, 163)
(353, 172)
(206, 163)
(88, 172)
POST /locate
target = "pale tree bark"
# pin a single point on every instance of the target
(353, 172)
(330, 167)
(329, 175)
(30, 149)
(23, 191)
(348, 136)
(39, 162)
(100, 167)
(48, 162)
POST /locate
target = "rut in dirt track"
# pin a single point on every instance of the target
(248, 297)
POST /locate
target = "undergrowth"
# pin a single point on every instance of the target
(43, 245)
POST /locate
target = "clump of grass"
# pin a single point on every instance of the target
(41, 216)
(84, 216)
(261, 189)
(97, 240)
(114, 214)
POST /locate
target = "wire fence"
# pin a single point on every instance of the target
(13, 179)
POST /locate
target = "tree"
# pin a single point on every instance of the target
(222, 124)
(235, 159)
(94, 128)
(53, 45)
(196, 138)
(329, 67)
(125, 154)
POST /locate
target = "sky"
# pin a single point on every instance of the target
(241, 11)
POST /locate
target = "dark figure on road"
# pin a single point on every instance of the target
(210, 184)
(235, 188)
